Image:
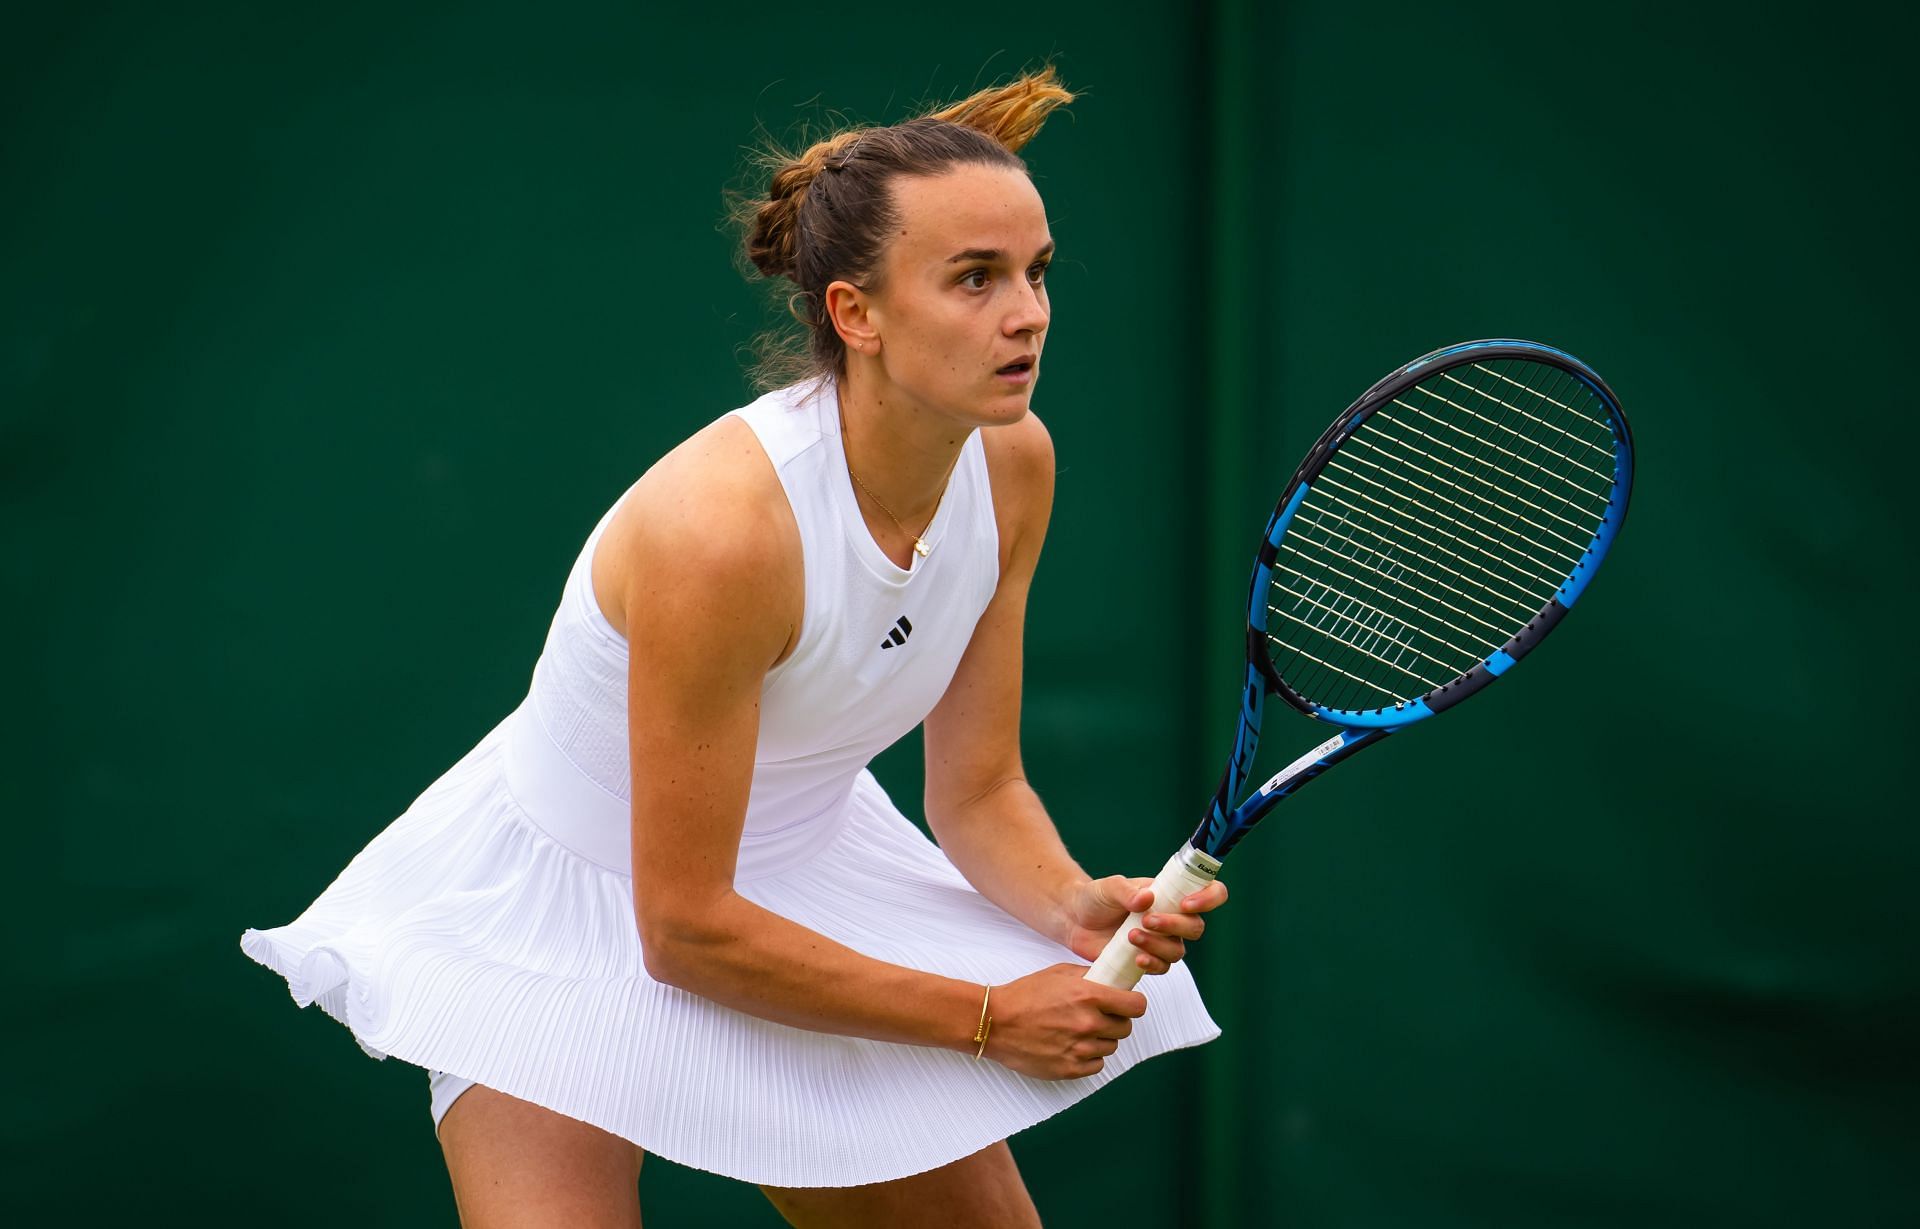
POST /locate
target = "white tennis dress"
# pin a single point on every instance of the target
(489, 931)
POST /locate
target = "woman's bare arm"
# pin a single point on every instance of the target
(988, 819)
(713, 600)
(979, 805)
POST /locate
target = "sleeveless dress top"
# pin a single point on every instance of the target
(489, 931)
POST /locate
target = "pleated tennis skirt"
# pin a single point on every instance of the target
(466, 938)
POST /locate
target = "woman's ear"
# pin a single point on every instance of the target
(851, 311)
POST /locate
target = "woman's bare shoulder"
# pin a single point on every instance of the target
(1020, 467)
(711, 511)
(1024, 445)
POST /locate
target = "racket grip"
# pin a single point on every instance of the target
(1184, 874)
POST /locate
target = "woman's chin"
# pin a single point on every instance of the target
(1009, 405)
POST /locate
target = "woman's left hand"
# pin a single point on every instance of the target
(1097, 907)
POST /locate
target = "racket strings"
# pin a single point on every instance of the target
(1502, 584)
(1456, 536)
(1566, 503)
(1376, 626)
(1603, 450)
(1500, 613)
(1367, 584)
(1539, 445)
(1519, 568)
(1521, 561)
(1584, 502)
(1376, 444)
(1375, 577)
(1439, 528)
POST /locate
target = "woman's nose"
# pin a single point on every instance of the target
(1030, 314)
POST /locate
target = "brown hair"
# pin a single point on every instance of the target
(827, 210)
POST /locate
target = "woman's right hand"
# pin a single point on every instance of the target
(1057, 1025)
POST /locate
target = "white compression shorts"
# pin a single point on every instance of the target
(445, 1090)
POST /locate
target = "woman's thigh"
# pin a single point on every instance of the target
(516, 1165)
(983, 1190)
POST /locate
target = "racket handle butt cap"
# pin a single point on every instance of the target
(1184, 874)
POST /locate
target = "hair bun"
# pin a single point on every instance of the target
(770, 236)
(773, 232)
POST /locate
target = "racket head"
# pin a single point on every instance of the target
(1437, 531)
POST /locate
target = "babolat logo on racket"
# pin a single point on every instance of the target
(898, 636)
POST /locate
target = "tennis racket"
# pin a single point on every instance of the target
(1439, 529)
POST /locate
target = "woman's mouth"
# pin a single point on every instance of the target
(1019, 371)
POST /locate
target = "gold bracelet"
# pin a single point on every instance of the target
(986, 1025)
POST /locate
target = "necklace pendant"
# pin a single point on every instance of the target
(921, 548)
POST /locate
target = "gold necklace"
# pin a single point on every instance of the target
(920, 546)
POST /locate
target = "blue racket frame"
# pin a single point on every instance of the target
(1225, 823)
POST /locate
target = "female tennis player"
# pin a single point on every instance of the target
(663, 906)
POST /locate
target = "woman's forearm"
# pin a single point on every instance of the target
(758, 962)
(1006, 845)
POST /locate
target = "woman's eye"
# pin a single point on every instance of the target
(975, 280)
(1037, 274)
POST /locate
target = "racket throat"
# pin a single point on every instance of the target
(1300, 767)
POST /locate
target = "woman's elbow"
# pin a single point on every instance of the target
(659, 964)
(658, 949)
(676, 949)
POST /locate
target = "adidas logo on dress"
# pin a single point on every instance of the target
(898, 636)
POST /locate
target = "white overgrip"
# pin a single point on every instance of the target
(1184, 874)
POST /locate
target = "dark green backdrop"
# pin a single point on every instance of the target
(326, 337)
